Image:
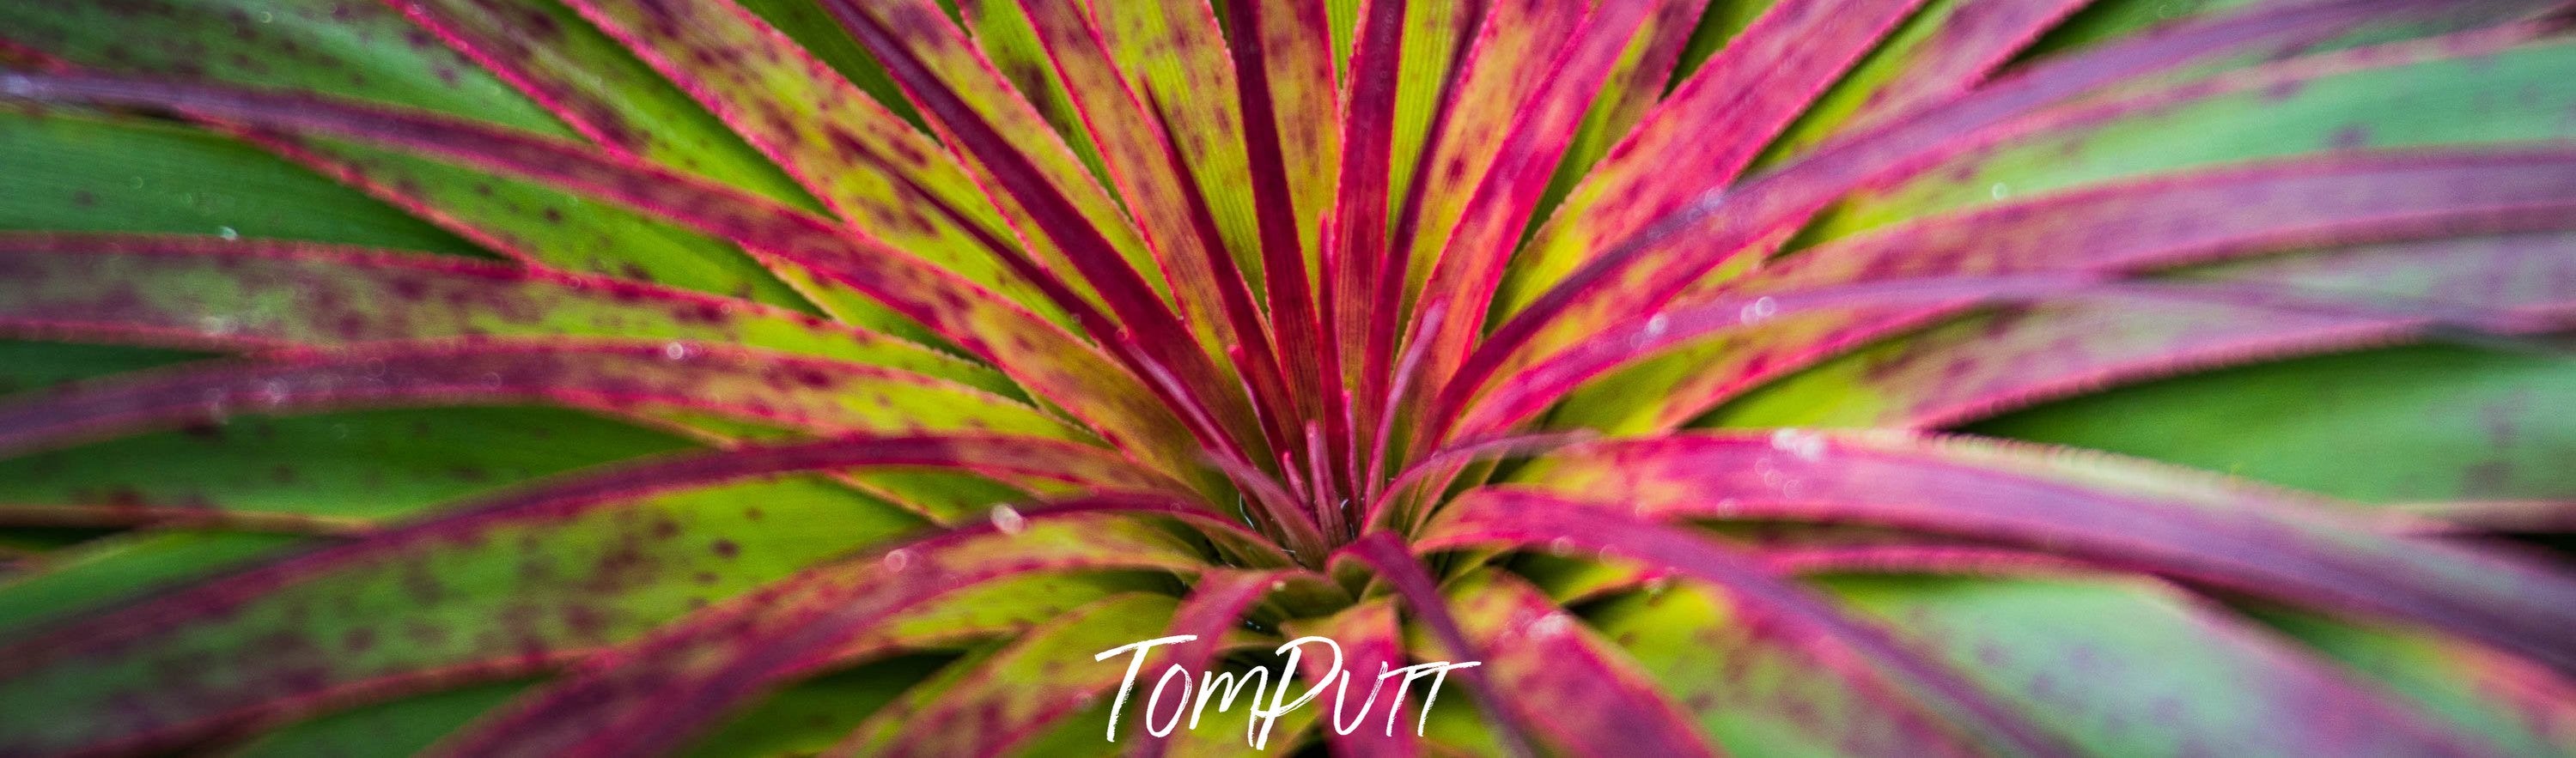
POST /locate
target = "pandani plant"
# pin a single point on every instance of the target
(1804, 377)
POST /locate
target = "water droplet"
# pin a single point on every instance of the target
(340, 431)
(1999, 191)
(215, 325)
(273, 392)
(1807, 446)
(1658, 585)
(136, 182)
(227, 233)
(896, 560)
(1768, 472)
(266, 17)
(215, 410)
(1278, 584)
(1551, 625)
(491, 380)
(1761, 309)
(1656, 325)
(1560, 546)
(1009, 520)
(677, 351)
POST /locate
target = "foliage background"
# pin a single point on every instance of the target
(301, 402)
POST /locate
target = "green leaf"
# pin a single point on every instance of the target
(599, 88)
(2414, 95)
(859, 158)
(1707, 131)
(2397, 425)
(390, 730)
(2480, 692)
(553, 227)
(1849, 648)
(2127, 668)
(363, 464)
(813, 29)
(1569, 682)
(819, 397)
(99, 572)
(252, 294)
(31, 365)
(1944, 48)
(1001, 609)
(1027, 688)
(746, 647)
(812, 715)
(368, 465)
(73, 172)
(1026, 169)
(371, 51)
(2230, 534)
(520, 595)
(358, 49)
(1752, 688)
(2298, 303)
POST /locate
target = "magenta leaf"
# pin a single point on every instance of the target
(1499, 520)
(661, 689)
(2246, 539)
